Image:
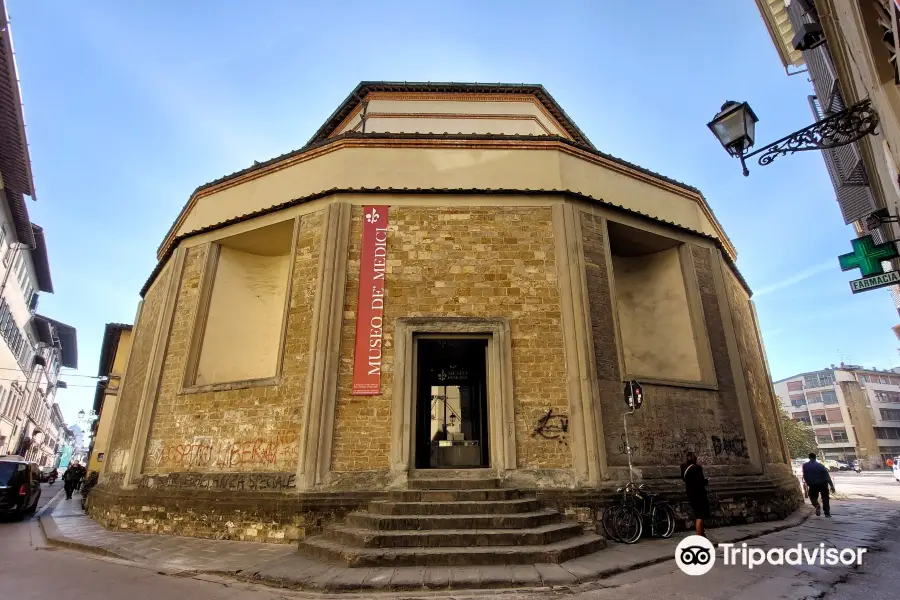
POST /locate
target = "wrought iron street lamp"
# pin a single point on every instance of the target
(87, 418)
(735, 127)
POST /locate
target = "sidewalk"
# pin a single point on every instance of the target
(281, 565)
(65, 524)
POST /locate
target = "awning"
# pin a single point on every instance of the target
(41, 260)
(58, 335)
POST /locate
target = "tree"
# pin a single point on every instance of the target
(800, 437)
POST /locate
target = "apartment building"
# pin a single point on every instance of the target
(33, 347)
(855, 412)
(847, 49)
(114, 353)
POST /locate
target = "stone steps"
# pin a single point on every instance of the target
(444, 538)
(468, 495)
(453, 483)
(555, 553)
(459, 521)
(478, 521)
(482, 507)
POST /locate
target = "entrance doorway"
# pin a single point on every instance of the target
(451, 403)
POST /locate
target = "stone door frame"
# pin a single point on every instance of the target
(500, 396)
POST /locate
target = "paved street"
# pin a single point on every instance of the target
(869, 496)
(865, 515)
(31, 570)
(868, 484)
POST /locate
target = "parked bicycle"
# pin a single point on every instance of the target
(625, 522)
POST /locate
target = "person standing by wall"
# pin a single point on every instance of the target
(695, 485)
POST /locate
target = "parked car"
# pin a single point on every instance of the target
(48, 474)
(20, 485)
(843, 466)
(831, 465)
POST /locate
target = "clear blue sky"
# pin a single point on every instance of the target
(131, 105)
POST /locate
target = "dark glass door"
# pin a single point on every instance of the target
(451, 404)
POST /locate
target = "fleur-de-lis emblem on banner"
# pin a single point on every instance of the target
(373, 216)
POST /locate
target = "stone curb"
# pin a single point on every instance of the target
(334, 578)
(48, 507)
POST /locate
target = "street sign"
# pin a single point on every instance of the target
(872, 283)
(634, 394)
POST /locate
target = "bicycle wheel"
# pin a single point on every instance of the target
(662, 520)
(609, 525)
(628, 524)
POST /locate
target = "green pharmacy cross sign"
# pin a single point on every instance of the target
(867, 257)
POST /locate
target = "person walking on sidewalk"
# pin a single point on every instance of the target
(69, 481)
(695, 486)
(71, 478)
(818, 480)
(80, 474)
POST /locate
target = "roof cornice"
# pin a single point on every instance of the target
(419, 140)
(160, 265)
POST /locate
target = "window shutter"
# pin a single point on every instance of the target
(855, 199)
(887, 21)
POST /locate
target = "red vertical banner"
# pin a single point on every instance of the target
(370, 303)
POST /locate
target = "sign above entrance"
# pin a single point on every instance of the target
(452, 376)
(634, 394)
(370, 303)
(867, 256)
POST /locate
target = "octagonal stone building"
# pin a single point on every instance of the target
(446, 287)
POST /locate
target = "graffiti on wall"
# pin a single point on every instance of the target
(552, 426)
(711, 445)
(222, 481)
(730, 446)
(622, 448)
(226, 453)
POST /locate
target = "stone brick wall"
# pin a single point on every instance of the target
(762, 396)
(119, 449)
(184, 506)
(673, 419)
(242, 430)
(733, 501)
(466, 261)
